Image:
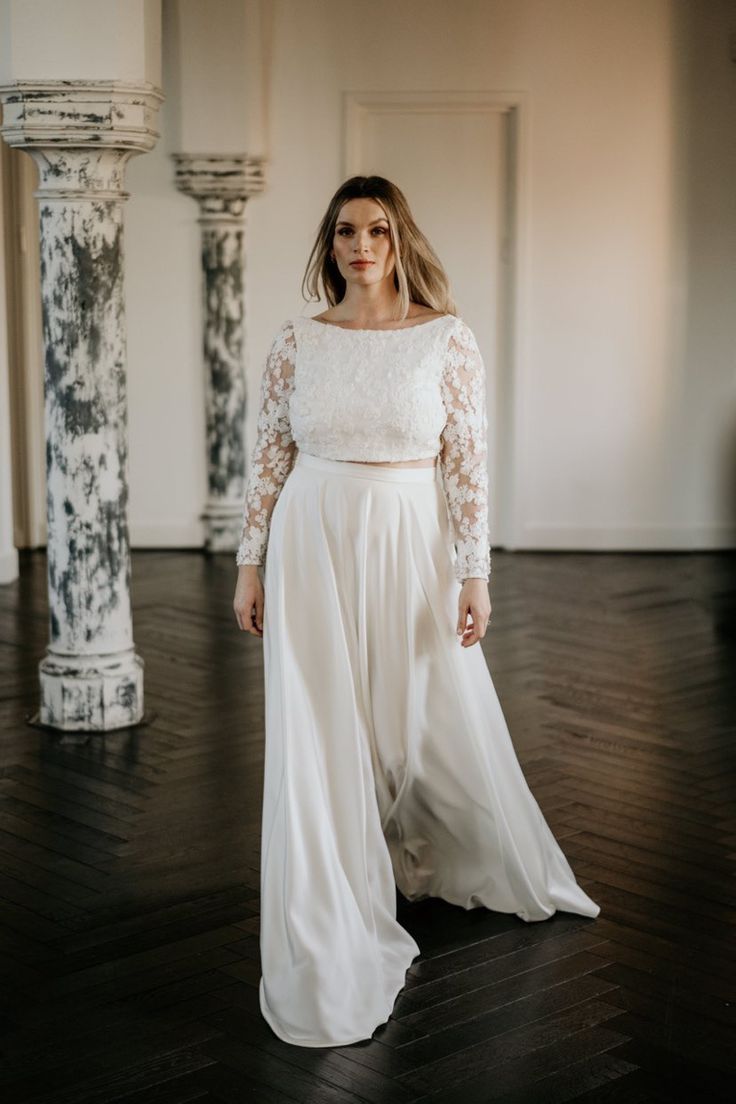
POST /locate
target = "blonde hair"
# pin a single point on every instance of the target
(418, 276)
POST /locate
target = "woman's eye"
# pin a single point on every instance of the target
(346, 230)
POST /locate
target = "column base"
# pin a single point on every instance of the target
(91, 692)
(223, 526)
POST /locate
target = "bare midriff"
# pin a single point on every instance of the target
(429, 463)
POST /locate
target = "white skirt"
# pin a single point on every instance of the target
(387, 759)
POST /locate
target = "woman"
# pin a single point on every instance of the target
(388, 760)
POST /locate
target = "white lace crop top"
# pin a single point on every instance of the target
(372, 395)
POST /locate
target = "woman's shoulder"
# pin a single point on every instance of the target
(455, 325)
(452, 329)
(417, 314)
(283, 341)
(419, 318)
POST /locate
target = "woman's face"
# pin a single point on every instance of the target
(362, 234)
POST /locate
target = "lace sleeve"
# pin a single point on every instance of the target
(463, 455)
(274, 450)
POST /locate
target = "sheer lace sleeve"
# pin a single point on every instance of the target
(274, 450)
(463, 456)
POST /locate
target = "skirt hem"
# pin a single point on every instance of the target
(362, 1038)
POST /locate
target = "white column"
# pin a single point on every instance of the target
(81, 135)
(222, 185)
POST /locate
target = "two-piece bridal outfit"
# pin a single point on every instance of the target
(387, 758)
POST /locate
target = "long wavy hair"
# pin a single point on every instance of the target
(418, 276)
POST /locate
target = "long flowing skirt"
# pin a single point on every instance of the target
(388, 760)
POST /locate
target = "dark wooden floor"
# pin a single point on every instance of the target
(129, 861)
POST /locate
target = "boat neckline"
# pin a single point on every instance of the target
(373, 329)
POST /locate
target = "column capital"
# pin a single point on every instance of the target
(80, 113)
(80, 133)
(221, 183)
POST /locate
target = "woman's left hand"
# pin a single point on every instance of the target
(474, 601)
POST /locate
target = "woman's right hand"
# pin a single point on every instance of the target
(248, 600)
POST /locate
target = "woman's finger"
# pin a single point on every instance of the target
(256, 618)
(480, 623)
(462, 618)
(481, 615)
(477, 628)
(249, 616)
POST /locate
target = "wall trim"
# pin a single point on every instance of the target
(631, 538)
(9, 567)
(163, 534)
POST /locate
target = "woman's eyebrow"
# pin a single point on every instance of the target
(344, 222)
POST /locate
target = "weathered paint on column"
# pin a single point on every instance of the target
(222, 185)
(81, 136)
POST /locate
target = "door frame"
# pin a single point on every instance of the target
(358, 106)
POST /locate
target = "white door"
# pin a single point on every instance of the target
(449, 155)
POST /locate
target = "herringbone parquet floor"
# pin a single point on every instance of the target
(129, 861)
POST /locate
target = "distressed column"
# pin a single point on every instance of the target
(222, 185)
(81, 135)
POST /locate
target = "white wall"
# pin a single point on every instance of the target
(36, 45)
(626, 413)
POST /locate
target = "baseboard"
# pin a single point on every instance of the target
(639, 538)
(172, 535)
(9, 568)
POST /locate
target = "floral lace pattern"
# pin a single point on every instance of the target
(369, 395)
(463, 456)
(375, 395)
(275, 449)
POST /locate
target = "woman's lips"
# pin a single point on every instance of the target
(360, 264)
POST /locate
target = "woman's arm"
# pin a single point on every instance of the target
(274, 450)
(463, 456)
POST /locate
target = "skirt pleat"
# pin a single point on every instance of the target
(388, 761)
